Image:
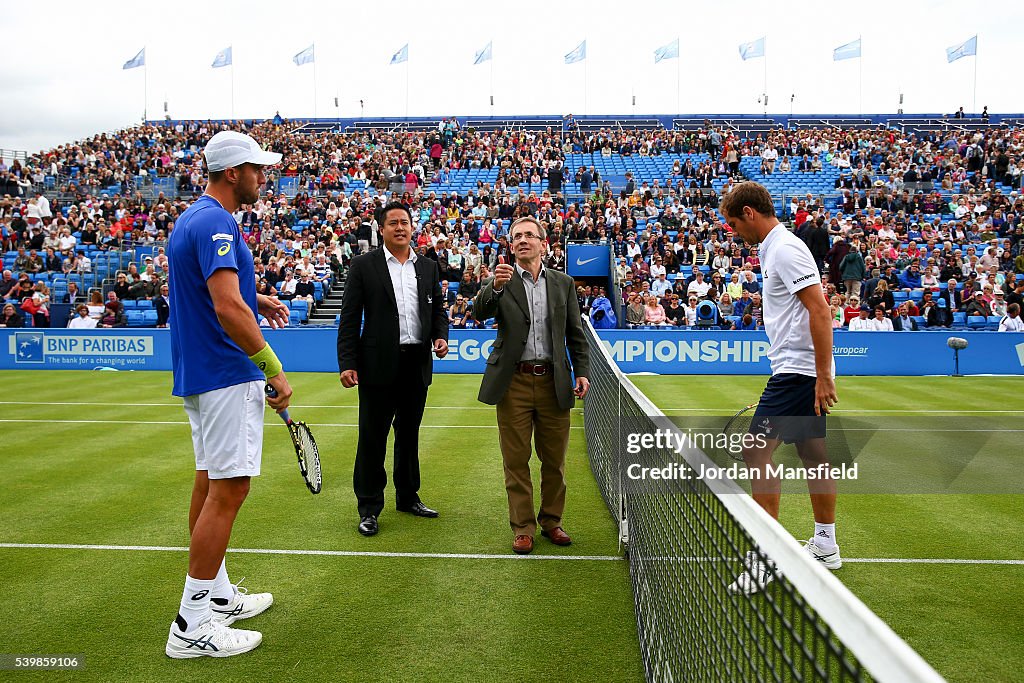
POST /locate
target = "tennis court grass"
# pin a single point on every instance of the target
(117, 471)
(115, 468)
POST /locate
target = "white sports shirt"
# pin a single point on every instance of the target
(786, 268)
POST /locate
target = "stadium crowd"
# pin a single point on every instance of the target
(922, 228)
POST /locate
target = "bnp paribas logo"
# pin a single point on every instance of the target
(28, 347)
(1020, 353)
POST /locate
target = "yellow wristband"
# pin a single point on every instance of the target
(266, 360)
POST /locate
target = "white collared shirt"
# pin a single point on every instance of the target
(406, 286)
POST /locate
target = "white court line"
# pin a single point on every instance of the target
(732, 409)
(178, 405)
(277, 424)
(464, 556)
(332, 553)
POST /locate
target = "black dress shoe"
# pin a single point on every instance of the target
(418, 509)
(368, 526)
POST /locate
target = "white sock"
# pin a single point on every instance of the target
(825, 536)
(222, 589)
(195, 604)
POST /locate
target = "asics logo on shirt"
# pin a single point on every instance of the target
(223, 249)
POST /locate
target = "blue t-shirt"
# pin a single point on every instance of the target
(205, 239)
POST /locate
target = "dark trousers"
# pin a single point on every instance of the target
(399, 403)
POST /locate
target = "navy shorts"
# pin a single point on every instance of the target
(786, 410)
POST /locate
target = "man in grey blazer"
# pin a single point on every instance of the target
(540, 344)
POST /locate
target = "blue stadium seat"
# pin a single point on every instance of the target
(144, 304)
(976, 322)
(993, 322)
(129, 305)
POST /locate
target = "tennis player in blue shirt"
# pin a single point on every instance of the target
(221, 365)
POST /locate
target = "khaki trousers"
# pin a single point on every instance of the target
(530, 407)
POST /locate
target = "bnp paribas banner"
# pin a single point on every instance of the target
(668, 352)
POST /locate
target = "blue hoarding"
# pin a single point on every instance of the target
(587, 260)
(658, 351)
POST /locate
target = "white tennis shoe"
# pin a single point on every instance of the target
(242, 605)
(829, 558)
(212, 639)
(756, 574)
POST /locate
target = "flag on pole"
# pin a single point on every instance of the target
(223, 58)
(848, 51)
(401, 56)
(670, 51)
(304, 57)
(483, 56)
(577, 55)
(752, 49)
(137, 60)
(968, 48)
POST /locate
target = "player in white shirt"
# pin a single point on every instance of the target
(802, 387)
(1011, 322)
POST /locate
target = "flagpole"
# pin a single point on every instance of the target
(145, 90)
(314, 81)
(232, 85)
(679, 58)
(407, 85)
(492, 79)
(860, 69)
(585, 81)
(974, 101)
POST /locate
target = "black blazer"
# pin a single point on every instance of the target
(369, 297)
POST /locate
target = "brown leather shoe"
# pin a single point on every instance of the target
(557, 536)
(523, 545)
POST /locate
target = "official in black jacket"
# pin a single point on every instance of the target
(397, 295)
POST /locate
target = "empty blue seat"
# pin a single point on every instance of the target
(976, 322)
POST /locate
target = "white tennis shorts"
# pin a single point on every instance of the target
(227, 430)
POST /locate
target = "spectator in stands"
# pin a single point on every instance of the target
(95, 304)
(82, 321)
(469, 286)
(121, 286)
(938, 315)
(725, 306)
(162, 304)
(881, 321)
(698, 286)
(861, 323)
(998, 304)
(7, 283)
(910, 279)
(113, 316)
(305, 290)
(634, 310)
(882, 298)
(661, 286)
(1011, 322)
(22, 290)
(459, 314)
(10, 317)
(902, 321)
(975, 305)
(288, 285)
(852, 269)
(951, 296)
(851, 310)
(735, 288)
(750, 282)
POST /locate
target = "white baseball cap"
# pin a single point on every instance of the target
(228, 149)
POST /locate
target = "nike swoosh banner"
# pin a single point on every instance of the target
(588, 260)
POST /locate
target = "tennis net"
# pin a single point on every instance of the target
(686, 541)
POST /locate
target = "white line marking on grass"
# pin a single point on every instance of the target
(268, 424)
(853, 411)
(464, 556)
(179, 405)
(332, 553)
(926, 560)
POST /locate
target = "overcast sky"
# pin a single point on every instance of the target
(62, 79)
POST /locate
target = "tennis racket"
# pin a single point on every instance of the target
(305, 449)
(738, 424)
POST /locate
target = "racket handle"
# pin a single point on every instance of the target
(271, 391)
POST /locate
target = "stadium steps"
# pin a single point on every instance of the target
(328, 310)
